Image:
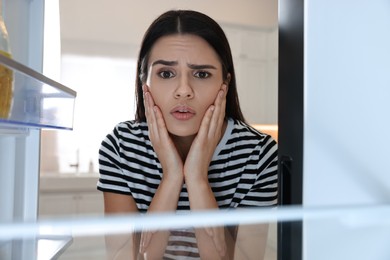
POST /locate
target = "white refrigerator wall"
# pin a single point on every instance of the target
(346, 123)
(19, 150)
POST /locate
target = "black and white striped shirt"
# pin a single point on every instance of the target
(242, 173)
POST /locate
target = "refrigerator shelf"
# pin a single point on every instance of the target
(29, 99)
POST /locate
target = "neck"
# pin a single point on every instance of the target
(183, 143)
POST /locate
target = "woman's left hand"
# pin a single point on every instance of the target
(211, 240)
(218, 236)
(207, 139)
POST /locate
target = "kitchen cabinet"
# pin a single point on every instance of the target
(255, 59)
(64, 196)
(73, 196)
(70, 203)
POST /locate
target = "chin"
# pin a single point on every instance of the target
(182, 131)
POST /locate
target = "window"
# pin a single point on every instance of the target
(105, 96)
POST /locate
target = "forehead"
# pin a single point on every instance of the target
(187, 47)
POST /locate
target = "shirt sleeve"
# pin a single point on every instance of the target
(264, 191)
(111, 177)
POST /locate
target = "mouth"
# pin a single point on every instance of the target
(182, 113)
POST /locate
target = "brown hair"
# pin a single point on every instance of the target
(194, 23)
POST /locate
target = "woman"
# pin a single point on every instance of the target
(189, 147)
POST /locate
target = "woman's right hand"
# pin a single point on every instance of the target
(161, 141)
(153, 243)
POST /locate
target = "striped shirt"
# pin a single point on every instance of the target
(242, 173)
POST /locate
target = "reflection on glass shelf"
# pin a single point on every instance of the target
(30, 99)
(52, 247)
(339, 232)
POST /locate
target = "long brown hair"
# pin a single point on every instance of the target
(195, 23)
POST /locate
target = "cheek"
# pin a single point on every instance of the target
(209, 99)
(208, 91)
(157, 96)
(159, 90)
(154, 91)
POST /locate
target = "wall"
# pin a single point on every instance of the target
(124, 22)
(346, 105)
(347, 60)
(115, 29)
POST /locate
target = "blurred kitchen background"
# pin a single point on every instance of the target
(92, 46)
(97, 57)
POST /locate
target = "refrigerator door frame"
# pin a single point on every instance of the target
(20, 148)
(290, 118)
(23, 145)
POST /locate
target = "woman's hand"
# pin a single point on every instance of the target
(146, 237)
(218, 236)
(153, 243)
(209, 134)
(211, 241)
(161, 141)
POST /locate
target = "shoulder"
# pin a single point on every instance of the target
(242, 130)
(128, 132)
(130, 129)
(249, 140)
(131, 126)
(243, 141)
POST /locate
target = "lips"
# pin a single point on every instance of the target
(182, 112)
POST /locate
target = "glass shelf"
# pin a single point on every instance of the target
(36, 101)
(329, 232)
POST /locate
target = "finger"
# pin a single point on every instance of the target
(145, 240)
(206, 121)
(161, 129)
(151, 115)
(148, 101)
(158, 132)
(220, 103)
(146, 237)
(144, 90)
(154, 116)
(219, 112)
(223, 105)
(213, 119)
(209, 231)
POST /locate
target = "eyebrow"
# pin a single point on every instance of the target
(165, 62)
(191, 66)
(200, 67)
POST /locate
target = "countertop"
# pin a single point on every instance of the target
(68, 182)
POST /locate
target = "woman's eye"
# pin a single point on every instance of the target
(202, 74)
(166, 74)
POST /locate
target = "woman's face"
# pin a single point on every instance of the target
(184, 77)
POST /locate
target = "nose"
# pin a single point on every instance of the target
(184, 89)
